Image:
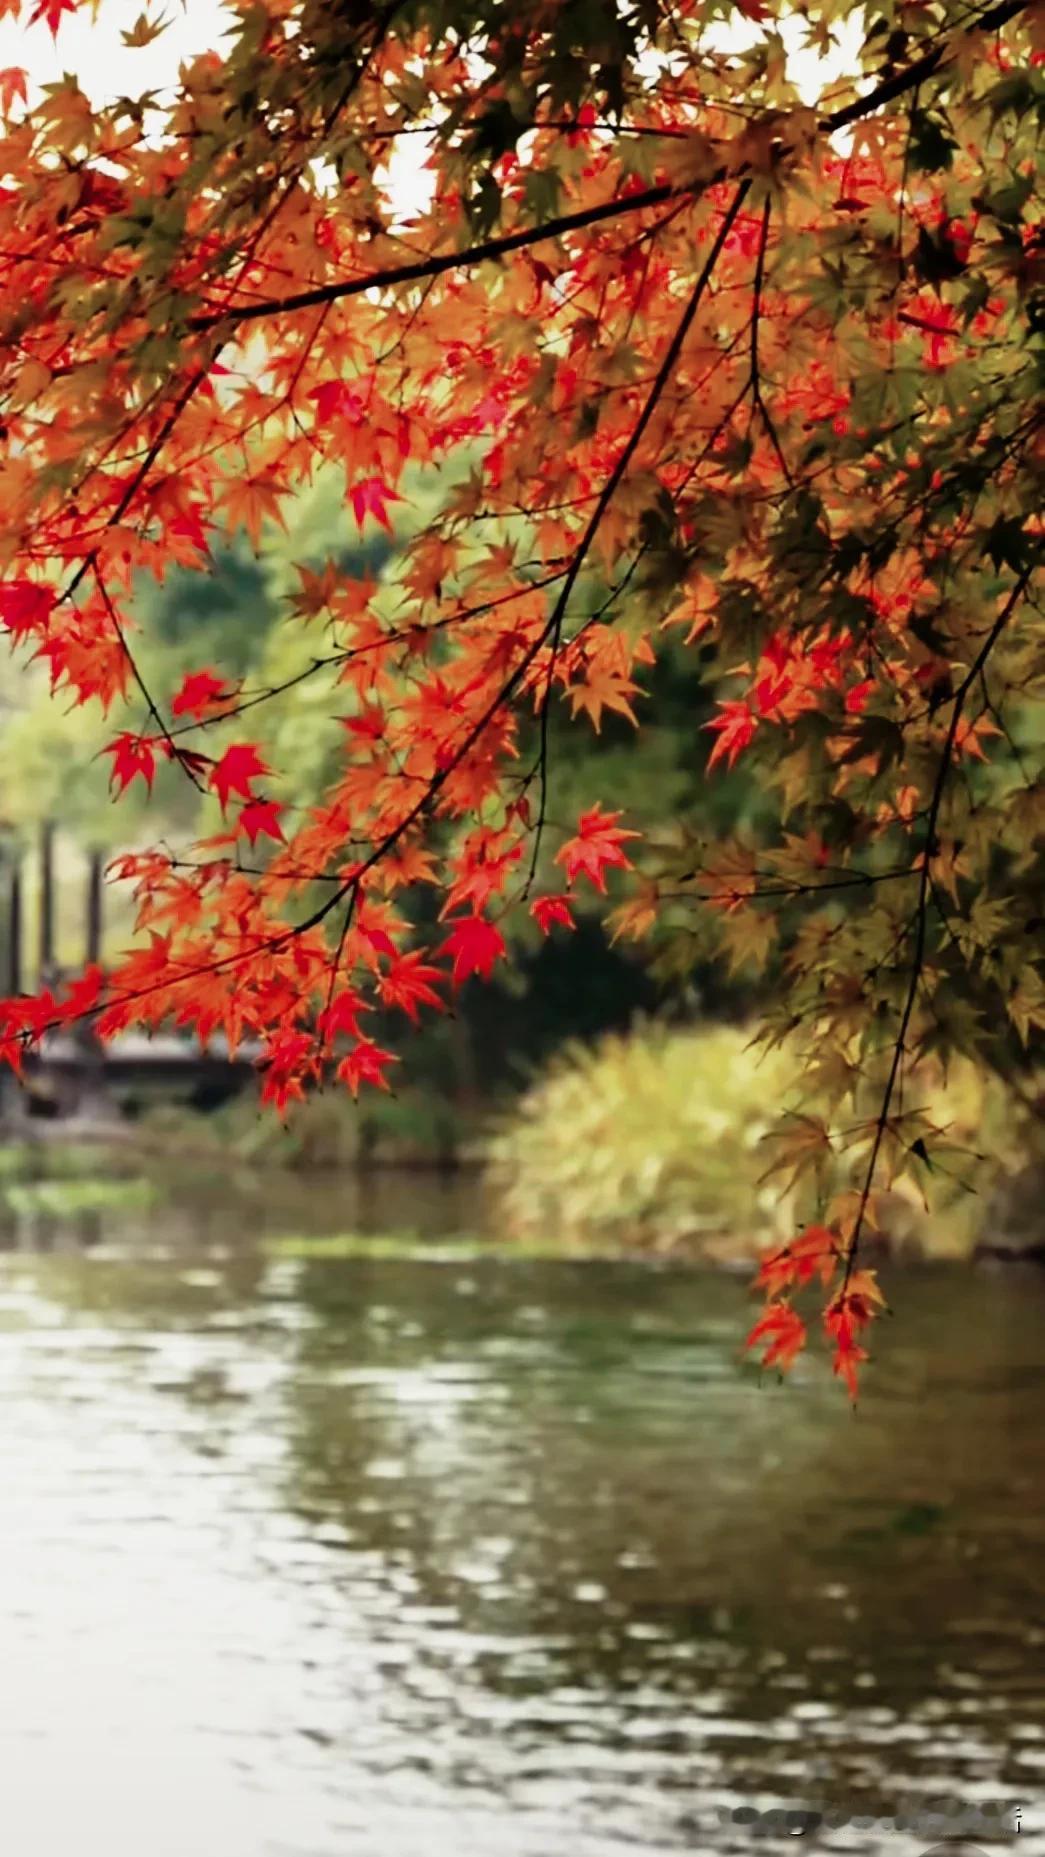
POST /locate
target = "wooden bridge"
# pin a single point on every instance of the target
(72, 1074)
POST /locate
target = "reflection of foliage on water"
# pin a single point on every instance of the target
(60, 1197)
(567, 1454)
(65, 1199)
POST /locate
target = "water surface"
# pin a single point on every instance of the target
(489, 1557)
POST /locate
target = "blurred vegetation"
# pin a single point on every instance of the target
(68, 1198)
(330, 1131)
(657, 1141)
(647, 1141)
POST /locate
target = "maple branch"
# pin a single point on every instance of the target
(398, 636)
(554, 623)
(197, 378)
(921, 916)
(350, 909)
(499, 247)
(901, 268)
(176, 753)
(286, 183)
(194, 381)
(755, 382)
(540, 766)
(851, 881)
(435, 266)
(916, 73)
(282, 939)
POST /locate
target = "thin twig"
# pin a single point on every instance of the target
(922, 908)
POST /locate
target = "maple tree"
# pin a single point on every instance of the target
(696, 360)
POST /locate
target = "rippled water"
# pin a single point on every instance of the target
(495, 1558)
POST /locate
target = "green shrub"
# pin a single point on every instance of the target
(648, 1141)
(655, 1141)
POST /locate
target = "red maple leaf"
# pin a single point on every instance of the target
(288, 1063)
(547, 910)
(408, 984)
(482, 869)
(336, 398)
(370, 497)
(735, 726)
(200, 691)
(770, 690)
(84, 994)
(849, 1356)
(131, 755)
(261, 816)
(856, 696)
(365, 1063)
(25, 606)
(368, 726)
(596, 848)
(342, 1015)
(855, 1305)
(239, 765)
(380, 940)
(474, 944)
(51, 12)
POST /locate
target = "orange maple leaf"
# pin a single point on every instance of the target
(12, 88)
(813, 1253)
(781, 1333)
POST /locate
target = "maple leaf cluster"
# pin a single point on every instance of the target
(685, 359)
(818, 1254)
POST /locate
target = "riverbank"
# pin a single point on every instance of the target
(89, 1188)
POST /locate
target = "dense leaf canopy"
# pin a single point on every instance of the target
(692, 359)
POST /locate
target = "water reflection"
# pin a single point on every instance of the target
(491, 1556)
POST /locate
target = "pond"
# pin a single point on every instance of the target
(478, 1555)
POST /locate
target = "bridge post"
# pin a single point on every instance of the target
(94, 908)
(46, 902)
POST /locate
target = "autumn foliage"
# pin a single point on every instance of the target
(697, 359)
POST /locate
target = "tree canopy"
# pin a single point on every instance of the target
(669, 357)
